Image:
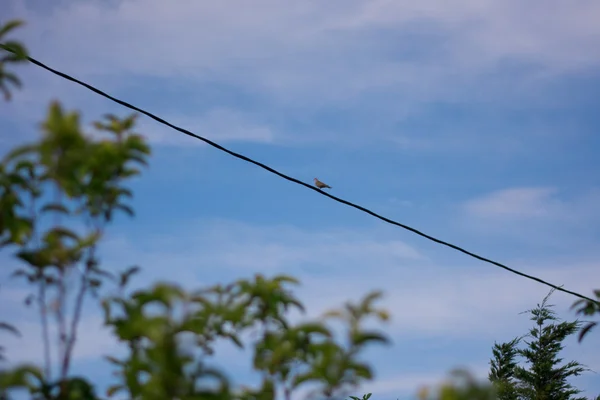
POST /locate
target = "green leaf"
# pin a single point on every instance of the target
(305, 377)
(59, 232)
(55, 207)
(126, 209)
(12, 78)
(166, 294)
(586, 330)
(21, 229)
(10, 25)
(88, 240)
(8, 327)
(314, 328)
(18, 377)
(113, 389)
(20, 152)
(16, 48)
(125, 276)
(114, 360)
(34, 258)
(362, 338)
(361, 370)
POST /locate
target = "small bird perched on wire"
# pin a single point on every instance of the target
(320, 184)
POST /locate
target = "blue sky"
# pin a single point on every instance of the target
(473, 121)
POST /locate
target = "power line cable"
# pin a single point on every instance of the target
(291, 179)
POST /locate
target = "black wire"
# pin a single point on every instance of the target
(291, 179)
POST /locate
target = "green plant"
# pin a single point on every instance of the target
(545, 376)
(57, 195)
(288, 356)
(588, 308)
(17, 54)
(502, 370)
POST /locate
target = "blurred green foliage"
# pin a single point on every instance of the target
(461, 386)
(588, 308)
(16, 54)
(58, 195)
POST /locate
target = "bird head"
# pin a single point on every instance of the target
(316, 179)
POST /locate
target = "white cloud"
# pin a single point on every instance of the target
(429, 299)
(30, 105)
(93, 341)
(409, 383)
(524, 202)
(555, 219)
(240, 248)
(542, 204)
(329, 51)
(381, 59)
(488, 31)
(426, 296)
(220, 125)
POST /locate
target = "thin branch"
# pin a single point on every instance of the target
(62, 323)
(62, 294)
(78, 307)
(45, 331)
(42, 298)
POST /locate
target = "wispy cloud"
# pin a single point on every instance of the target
(343, 74)
(428, 298)
(405, 384)
(524, 202)
(240, 247)
(93, 341)
(218, 123)
(317, 52)
(221, 125)
(539, 215)
(536, 203)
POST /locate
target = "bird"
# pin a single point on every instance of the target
(320, 184)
